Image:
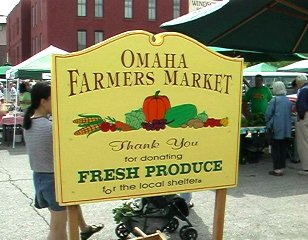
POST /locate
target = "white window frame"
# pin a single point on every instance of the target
(33, 45)
(152, 9)
(81, 39)
(41, 10)
(33, 16)
(41, 41)
(36, 14)
(176, 8)
(37, 44)
(99, 7)
(81, 8)
(128, 9)
(98, 36)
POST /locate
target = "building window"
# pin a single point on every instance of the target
(1, 27)
(40, 41)
(36, 15)
(82, 40)
(33, 16)
(82, 8)
(36, 44)
(151, 9)
(98, 36)
(98, 8)
(128, 8)
(41, 10)
(176, 8)
(33, 46)
(17, 54)
(17, 26)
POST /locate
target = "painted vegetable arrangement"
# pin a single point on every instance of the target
(155, 114)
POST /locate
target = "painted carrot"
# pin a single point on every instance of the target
(122, 126)
(119, 125)
(87, 130)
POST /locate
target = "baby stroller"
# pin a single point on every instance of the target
(157, 213)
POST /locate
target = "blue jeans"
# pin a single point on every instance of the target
(45, 195)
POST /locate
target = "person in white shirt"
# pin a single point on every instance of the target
(13, 92)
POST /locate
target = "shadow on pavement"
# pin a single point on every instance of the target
(197, 224)
(19, 149)
(203, 230)
(255, 180)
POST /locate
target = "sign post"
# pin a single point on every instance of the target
(144, 115)
(219, 214)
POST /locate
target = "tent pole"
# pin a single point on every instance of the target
(294, 6)
(15, 112)
(232, 29)
(300, 38)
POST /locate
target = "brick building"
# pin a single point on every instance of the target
(2, 40)
(18, 33)
(73, 25)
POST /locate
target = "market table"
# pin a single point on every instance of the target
(8, 123)
(10, 119)
(258, 129)
(253, 141)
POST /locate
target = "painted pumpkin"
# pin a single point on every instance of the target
(155, 107)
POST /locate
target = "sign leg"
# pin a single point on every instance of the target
(72, 214)
(219, 214)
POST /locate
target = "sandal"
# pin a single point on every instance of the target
(190, 205)
(274, 173)
(91, 230)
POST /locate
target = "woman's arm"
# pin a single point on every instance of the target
(269, 111)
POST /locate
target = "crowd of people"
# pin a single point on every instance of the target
(11, 95)
(277, 109)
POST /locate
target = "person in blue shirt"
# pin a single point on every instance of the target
(278, 117)
(301, 126)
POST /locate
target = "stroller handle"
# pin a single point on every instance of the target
(138, 230)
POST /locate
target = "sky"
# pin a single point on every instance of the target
(6, 6)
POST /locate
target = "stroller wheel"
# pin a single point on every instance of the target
(189, 234)
(172, 225)
(182, 231)
(121, 231)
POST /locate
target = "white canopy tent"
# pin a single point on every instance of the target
(38, 65)
(300, 66)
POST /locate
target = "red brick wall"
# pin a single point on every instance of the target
(18, 33)
(59, 23)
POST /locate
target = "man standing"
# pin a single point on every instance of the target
(258, 96)
(301, 130)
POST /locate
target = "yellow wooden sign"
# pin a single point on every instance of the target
(140, 115)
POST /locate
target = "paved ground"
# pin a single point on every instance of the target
(262, 207)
